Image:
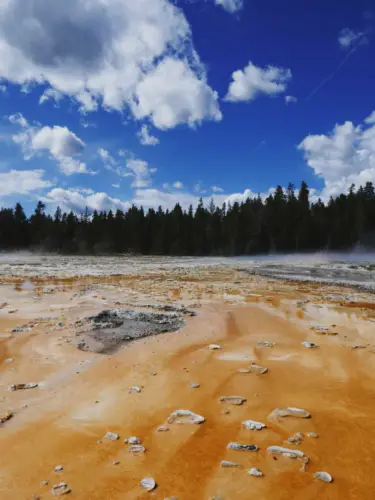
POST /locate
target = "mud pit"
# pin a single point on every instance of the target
(132, 388)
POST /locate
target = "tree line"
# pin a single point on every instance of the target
(286, 221)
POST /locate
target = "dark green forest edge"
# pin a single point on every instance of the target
(285, 222)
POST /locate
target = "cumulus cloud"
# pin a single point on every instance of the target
(147, 139)
(112, 53)
(347, 38)
(51, 95)
(253, 80)
(343, 157)
(178, 185)
(290, 99)
(231, 5)
(141, 173)
(217, 189)
(77, 200)
(22, 182)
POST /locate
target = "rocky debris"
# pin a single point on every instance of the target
(162, 428)
(111, 436)
(323, 330)
(229, 464)
(290, 412)
(265, 343)
(255, 472)
(359, 346)
(44, 483)
(233, 400)
(213, 347)
(12, 311)
(242, 447)
(285, 452)
(60, 489)
(312, 435)
(59, 468)
(23, 328)
(153, 374)
(116, 462)
(194, 385)
(296, 439)
(136, 448)
(148, 483)
(185, 417)
(4, 417)
(20, 387)
(133, 440)
(323, 476)
(259, 370)
(309, 345)
(135, 388)
(252, 425)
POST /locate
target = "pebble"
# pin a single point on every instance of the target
(136, 448)
(194, 385)
(212, 347)
(135, 388)
(290, 412)
(279, 450)
(116, 462)
(296, 439)
(323, 476)
(185, 417)
(255, 472)
(153, 374)
(111, 436)
(44, 483)
(233, 400)
(242, 447)
(260, 370)
(133, 440)
(60, 489)
(19, 387)
(265, 343)
(228, 463)
(59, 468)
(252, 425)
(162, 428)
(148, 483)
(312, 435)
(6, 416)
(309, 345)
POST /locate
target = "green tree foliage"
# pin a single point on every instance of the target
(286, 221)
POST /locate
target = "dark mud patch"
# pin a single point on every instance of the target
(106, 332)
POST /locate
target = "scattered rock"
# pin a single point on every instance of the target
(153, 374)
(265, 343)
(358, 346)
(133, 440)
(162, 428)
(44, 483)
(323, 476)
(309, 345)
(296, 439)
(285, 452)
(242, 447)
(135, 388)
(213, 347)
(259, 370)
(185, 417)
(60, 489)
(312, 435)
(116, 462)
(225, 412)
(19, 387)
(111, 436)
(243, 370)
(233, 400)
(6, 416)
(194, 385)
(255, 472)
(228, 463)
(136, 448)
(290, 412)
(323, 330)
(12, 311)
(252, 425)
(148, 484)
(59, 468)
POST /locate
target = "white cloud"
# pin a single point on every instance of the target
(343, 157)
(108, 53)
(347, 38)
(141, 173)
(77, 200)
(253, 80)
(230, 5)
(117, 186)
(178, 185)
(147, 139)
(22, 182)
(290, 99)
(51, 94)
(63, 144)
(370, 119)
(217, 189)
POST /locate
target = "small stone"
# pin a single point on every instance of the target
(309, 345)
(259, 370)
(225, 412)
(296, 439)
(252, 425)
(111, 436)
(148, 483)
(323, 476)
(116, 462)
(19, 387)
(133, 440)
(279, 450)
(162, 428)
(233, 400)
(312, 435)
(60, 489)
(59, 468)
(185, 417)
(229, 464)
(213, 347)
(242, 447)
(6, 416)
(153, 374)
(194, 385)
(243, 370)
(255, 472)
(265, 343)
(136, 448)
(44, 483)
(290, 412)
(135, 388)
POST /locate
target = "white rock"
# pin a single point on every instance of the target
(324, 476)
(148, 483)
(111, 436)
(312, 435)
(185, 417)
(135, 388)
(309, 345)
(59, 468)
(252, 425)
(136, 448)
(259, 370)
(133, 440)
(255, 472)
(290, 412)
(194, 385)
(242, 447)
(265, 343)
(163, 428)
(19, 387)
(229, 464)
(233, 400)
(60, 489)
(213, 347)
(286, 452)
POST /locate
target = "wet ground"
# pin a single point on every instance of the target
(83, 394)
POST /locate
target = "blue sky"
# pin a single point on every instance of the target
(109, 103)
